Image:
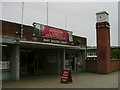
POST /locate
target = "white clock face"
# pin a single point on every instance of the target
(102, 18)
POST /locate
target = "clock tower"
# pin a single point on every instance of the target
(103, 42)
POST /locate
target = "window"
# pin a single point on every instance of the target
(90, 54)
(4, 60)
(95, 54)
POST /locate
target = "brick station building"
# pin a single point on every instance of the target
(40, 49)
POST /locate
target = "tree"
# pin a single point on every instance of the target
(116, 54)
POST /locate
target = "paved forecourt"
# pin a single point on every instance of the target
(80, 80)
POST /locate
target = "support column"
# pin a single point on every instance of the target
(84, 60)
(15, 62)
(63, 58)
(59, 61)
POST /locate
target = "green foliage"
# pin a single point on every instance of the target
(116, 54)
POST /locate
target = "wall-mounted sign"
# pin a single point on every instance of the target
(38, 29)
(67, 62)
(43, 33)
(54, 41)
(48, 40)
(4, 65)
(70, 36)
(51, 32)
(55, 33)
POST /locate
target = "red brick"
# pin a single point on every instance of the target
(103, 49)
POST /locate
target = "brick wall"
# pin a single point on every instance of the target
(91, 65)
(103, 47)
(115, 65)
(14, 29)
(11, 29)
(80, 40)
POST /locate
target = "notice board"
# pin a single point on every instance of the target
(66, 76)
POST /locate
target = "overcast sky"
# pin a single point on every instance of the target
(80, 16)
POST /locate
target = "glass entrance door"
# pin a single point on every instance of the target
(30, 63)
(23, 64)
(38, 64)
(67, 62)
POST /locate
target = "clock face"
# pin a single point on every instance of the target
(100, 17)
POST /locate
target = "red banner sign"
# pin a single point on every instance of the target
(49, 34)
(66, 76)
(55, 33)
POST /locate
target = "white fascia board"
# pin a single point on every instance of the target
(52, 44)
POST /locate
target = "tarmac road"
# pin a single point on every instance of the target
(80, 80)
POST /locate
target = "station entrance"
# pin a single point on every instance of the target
(75, 60)
(32, 62)
(50, 61)
(38, 61)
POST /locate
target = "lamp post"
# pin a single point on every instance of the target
(65, 22)
(47, 13)
(22, 20)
